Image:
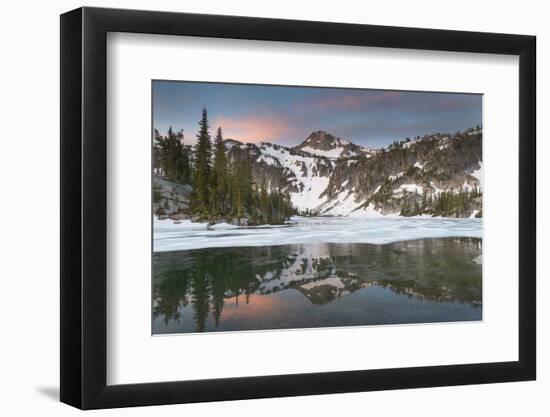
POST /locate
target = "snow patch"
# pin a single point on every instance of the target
(478, 174)
(333, 153)
(411, 188)
(342, 205)
(311, 184)
(394, 177)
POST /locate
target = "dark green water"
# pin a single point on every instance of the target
(317, 285)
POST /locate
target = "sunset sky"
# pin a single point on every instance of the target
(287, 115)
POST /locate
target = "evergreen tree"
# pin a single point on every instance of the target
(203, 153)
(417, 208)
(223, 183)
(186, 164)
(157, 138)
(236, 186)
(200, 293)
(171, 157)
(220, 173)
(247, 181)
(264, 201)
(183, 163)
(424, 199)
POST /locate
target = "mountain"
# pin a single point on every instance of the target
(229, 143)
(437, 174)
(321, 143)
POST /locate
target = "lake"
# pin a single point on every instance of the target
(316, 272)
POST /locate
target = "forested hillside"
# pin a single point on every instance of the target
(244, 183)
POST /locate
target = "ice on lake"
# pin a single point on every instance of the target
(186, 235)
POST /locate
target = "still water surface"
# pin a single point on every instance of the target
(317, 285)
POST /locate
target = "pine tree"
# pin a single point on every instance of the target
(183, 162)
(416, 208)
(187, 166)
(169, 153)
(236, 186)
(203, 152)
(219, 181)
(246, 181)
(157, 138)
(223, 183)
(424, 199)
(264, 201)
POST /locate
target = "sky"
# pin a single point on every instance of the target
(287, 115)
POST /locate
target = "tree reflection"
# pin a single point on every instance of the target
(441, 270)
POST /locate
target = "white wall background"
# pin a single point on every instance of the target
(29, 212)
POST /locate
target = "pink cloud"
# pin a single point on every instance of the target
(252, 128)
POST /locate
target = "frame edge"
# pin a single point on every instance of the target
(83, 211)
(70, 211)
(527, 137)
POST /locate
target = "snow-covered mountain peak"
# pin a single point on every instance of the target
(327, 175)
(324, 144)
(323, 140)
(229, 143)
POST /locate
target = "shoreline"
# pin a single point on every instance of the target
(224, 224)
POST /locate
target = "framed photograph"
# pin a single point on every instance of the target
(258, 208)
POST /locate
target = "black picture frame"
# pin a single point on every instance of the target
(84, 207)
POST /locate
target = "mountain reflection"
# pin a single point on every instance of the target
(203, 282)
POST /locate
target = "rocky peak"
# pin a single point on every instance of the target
(323, 141)
(229, 143)
(324, 144)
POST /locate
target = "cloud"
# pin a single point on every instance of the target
(287, 115)
(349, 100)
(253, 128)
(340, 101)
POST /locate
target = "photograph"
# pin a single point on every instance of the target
(285, 207)
(271, 209)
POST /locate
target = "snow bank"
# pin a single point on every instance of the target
(169, 224)
(223, 226)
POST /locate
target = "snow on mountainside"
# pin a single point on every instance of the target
(229, 143)
(307, 175)
(325, 175)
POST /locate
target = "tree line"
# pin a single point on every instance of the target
(224, 186)
(445, 203)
